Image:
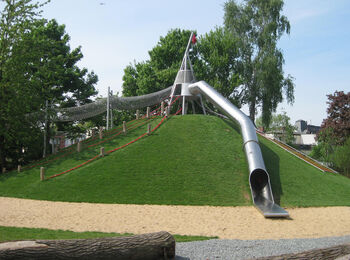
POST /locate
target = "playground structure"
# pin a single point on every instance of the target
(187, 90)
(259, 179)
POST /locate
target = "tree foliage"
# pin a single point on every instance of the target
(338, 119)
(218, 62)
(334, 138)
(36, 65)
(279, 125)
(341, 157)
(214, 60)
(160, 70)
(259, 25)
(16, 99)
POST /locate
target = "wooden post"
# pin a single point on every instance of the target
(3, 170)
(79, 145)
(19, 168)
(167, 111)
(148, 112)
(124, 127)
(101, 132)
(102, 151)
(137, 114)
(149, 129)
(162, 108)
(42, 173)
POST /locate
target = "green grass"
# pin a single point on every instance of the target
(15, 233)
(189, 160)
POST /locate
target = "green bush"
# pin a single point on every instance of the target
(341, 157)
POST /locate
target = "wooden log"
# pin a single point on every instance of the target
(322, 253)
(160, 245)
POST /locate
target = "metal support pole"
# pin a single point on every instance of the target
(45, 129)
(107, 123)
(111, 113)
(184, 105)
(201, 100)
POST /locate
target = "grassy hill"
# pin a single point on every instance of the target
(189, 160)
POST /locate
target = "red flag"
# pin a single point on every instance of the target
(194, 39)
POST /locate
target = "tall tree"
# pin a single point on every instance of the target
(160, 70)
(16, 19)
(336, 127)
(214, 58)
(36, 65)
(279, 125)
(218, 62)
(259, 25)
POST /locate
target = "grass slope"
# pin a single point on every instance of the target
(15, 233)
(189, 160)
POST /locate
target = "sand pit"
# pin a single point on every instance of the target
(225, 222)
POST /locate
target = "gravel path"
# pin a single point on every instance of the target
(248, 249)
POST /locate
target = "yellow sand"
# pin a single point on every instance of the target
(224, 222)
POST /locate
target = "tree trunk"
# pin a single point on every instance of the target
(159, 245)
(252, 109)
(324, 253)
(2, 153)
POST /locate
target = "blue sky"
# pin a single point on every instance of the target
(112, 35)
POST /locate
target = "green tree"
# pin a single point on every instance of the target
(338, 119)
(36, 65)
(334, 137)
(16, 97)
(160, 70)
(279, 125)
(259, 25)
(218, 62)
(214, 59)
(341, 157)
(55, 72)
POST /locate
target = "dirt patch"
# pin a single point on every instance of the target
(224, 222)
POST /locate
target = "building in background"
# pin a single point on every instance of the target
(305, 134)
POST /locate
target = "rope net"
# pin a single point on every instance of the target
(100, 106)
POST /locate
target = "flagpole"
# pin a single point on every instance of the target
(184, 60)
(187, 48)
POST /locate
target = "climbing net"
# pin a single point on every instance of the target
(100, 106)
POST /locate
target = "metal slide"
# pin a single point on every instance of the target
(259, 179)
